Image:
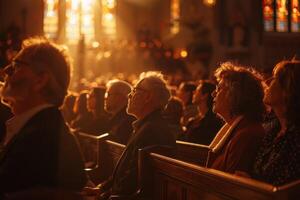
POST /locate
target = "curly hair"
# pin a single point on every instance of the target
(288, 74)
(245, 89)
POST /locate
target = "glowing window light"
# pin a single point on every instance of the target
(282, 14)
(295, 16)
(268, 13)
(80, 20)
(175, 16)
(51, 19)
(108, 17)
(209, 3)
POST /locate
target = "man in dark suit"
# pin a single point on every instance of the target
(39, 151)
(115, 103)
(146, 102)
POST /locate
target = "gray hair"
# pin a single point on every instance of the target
(122, 87)
(155, 82)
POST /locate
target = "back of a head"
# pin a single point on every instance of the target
(80, 106)
(174, 110)
(45, 56)
(208, 87)
(155, 82)
(288, 73)
(119, 86)
(99, 93)
(245, 89)
(188, 88)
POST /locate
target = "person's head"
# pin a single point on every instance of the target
(173, 110)
(116, 96)
(80, 105)
(185, 92)
(69, 101)
(95, 101)
(283, 91)
(203, 94)
(150, 93)
(39, 73)
(239, 92)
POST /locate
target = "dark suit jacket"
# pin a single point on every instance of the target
(204, 131)
(239, 151)
(42, 154)
(152, 130)
(121, 127)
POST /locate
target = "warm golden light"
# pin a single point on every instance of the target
(80, 20)
(183, 53)
(209, 3)
(51, 19)
(175, 16)
(108, 17)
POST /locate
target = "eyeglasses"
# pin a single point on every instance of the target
(220, 87)
(13, 66)
(136, 89)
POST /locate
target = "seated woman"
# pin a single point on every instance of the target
(238, 99)
(278, 160)
(203, 128)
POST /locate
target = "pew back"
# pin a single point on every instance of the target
(165, 178)
(105, 154)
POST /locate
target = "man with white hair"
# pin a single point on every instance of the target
(39, 150)
(146, 102)
(115, 103)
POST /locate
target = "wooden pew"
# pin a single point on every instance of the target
(164, 178)
(104, 153)
(191, 152)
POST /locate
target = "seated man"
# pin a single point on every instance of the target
(39, 150)
(203, 128)
(115, 104)
(146, 102)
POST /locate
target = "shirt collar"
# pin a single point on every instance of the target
(16, 123)
(138, 123)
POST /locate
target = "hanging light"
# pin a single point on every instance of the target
(209, 3)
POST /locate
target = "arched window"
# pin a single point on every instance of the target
(281, 15)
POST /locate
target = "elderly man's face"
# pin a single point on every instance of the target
(19, 83)
(137, 100)
(112, 100)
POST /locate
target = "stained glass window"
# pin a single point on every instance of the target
(175, 16)
(268, 13)
(79, 20)
(295, 16)
(281, 15)
(51, 19)
(109, 17)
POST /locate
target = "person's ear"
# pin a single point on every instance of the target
(41, 81)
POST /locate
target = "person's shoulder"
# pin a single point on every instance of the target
(252, 130)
